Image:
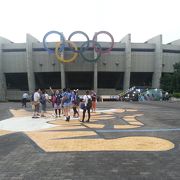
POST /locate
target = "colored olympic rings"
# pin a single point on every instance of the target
(60, 57)
(60, 47)
(62, 38)
(96, 45)
(79, 32)
(95, 39)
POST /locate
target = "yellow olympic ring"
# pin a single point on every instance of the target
(61, 59)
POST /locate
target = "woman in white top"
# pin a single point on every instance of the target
(88, 103)
(36, 103)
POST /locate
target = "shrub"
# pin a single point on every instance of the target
(176, 95)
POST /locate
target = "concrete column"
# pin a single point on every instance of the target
(63, 78)
(3, 88)
(157, 40)
(29, 62)
(95, 73)
(95, 77)
(127, 72)
(63, 84)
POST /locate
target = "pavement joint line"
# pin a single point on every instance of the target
(136, 130)
(92, 129)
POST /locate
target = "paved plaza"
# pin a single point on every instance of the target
(124, 140)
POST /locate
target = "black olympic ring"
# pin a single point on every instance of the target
(79, 32)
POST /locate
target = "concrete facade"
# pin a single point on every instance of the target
(3, 88)
(127, 69)
(158, 61)
(125, 59)
(30, 62)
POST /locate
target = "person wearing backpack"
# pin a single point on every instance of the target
(57, 103)
(44, 97)
(88, 104)
(75, 103)
(56, 99)
(66, 102)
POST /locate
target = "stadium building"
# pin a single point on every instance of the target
(26, 66)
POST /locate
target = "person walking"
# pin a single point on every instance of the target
(75, 103)
(25, 97)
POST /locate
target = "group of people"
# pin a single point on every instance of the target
(62, 102)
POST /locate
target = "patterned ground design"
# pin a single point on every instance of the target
(76, 136)
(124, 140)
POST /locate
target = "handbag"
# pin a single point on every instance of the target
(35, 103)
(82, 105)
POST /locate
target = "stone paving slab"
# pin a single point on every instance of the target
(23, 156)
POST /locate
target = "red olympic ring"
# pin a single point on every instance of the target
(95, 40)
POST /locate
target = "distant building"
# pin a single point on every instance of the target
(25, 66)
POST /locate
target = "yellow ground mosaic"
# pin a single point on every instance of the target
(77, 136)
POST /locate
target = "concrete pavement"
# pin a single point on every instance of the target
(122, 141)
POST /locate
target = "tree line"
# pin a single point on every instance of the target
(171, 82)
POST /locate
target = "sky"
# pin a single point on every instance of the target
(143, 19)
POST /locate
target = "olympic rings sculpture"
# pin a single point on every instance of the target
(61, 46)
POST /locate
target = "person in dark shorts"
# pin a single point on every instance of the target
(25, 97)
(87, 100)
(75, 103)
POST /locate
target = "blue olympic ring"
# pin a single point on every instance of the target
(62, 38)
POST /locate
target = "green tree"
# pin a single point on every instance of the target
(177, 67)
(167, 82)
(176, 80)
(171, 82)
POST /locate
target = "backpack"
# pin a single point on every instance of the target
(58, 99)
(89, 104)
(76, 100)
(67, 97)
(32, 97)
(43, 99)
(82, 106)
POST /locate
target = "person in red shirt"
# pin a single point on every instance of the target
(94, 100)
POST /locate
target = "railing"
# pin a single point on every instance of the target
(16, 95)
(109, 98)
